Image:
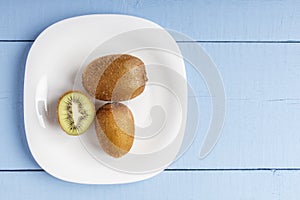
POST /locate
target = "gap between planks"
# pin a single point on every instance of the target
(207, 41)
(182, 170)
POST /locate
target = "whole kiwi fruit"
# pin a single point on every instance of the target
(117, 77)
(115, 129)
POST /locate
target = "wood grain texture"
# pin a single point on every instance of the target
(13, 145)
(256, 46)
(261, 129)
(233, 185)
(218, 20)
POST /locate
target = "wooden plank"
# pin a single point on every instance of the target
(168, 185)
(202, 20)
(261, 128)
(13, 145)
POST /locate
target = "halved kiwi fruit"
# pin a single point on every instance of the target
(75, 112)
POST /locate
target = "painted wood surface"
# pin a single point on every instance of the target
(261, 129)
(171, 185)
(255, 45)
(202, 20)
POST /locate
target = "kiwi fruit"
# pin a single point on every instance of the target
(115, 129)
(117, 77)
(75, 112)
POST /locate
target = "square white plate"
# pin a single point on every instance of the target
(51, 67)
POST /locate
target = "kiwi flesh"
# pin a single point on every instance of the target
(117, 77)
(75, 112)
(115, 129)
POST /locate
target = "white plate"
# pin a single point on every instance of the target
(52, 64)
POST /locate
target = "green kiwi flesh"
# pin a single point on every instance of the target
(75, 112)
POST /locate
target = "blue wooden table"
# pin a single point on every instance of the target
(255, 45)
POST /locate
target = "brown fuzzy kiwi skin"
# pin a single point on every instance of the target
(117, 77)
(115, 129)
(57, 115)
